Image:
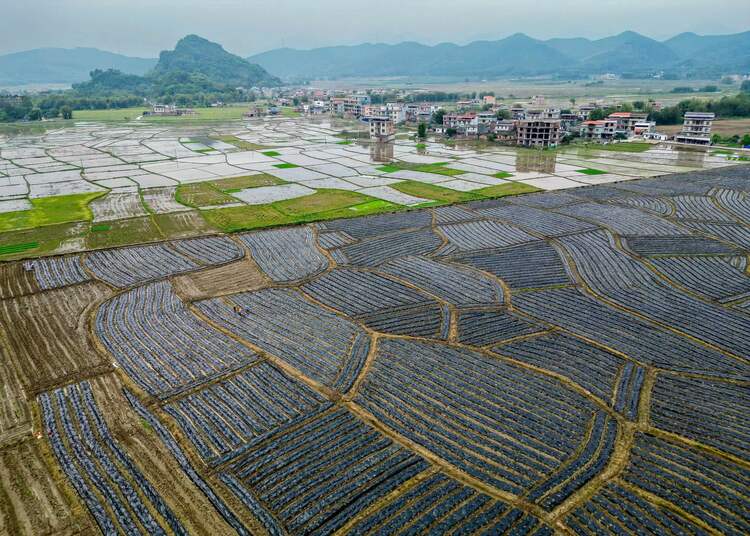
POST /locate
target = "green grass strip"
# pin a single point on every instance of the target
(17, 248)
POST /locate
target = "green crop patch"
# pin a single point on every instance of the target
(100, 227)
(591, 171)
(240, 144)
(236, 184)
(50, 211)
(271, 153)
(502, 175)
(285, 166)
(438, 168)
(345, 142)
(202, 194)
(510, 188)
(9, 249)
(388, 168)
(433, 192)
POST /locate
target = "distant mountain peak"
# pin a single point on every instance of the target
(196, 55)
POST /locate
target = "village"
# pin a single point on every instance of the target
(534, 124)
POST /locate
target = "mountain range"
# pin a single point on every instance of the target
(65, 65)
(685, 55)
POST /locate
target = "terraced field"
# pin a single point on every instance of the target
(569, 362)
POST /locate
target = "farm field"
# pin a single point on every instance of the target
(108, 182)
(568, 361)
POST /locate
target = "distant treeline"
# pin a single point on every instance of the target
(725, 108)
(432, 96)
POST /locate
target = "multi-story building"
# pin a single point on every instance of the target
(585, 110)
(471, 124)
(538, 132)
(642, 128)
(696, 128)
(485, 123)
(539, 113)
(505, 129)
(602, 130)
(396, 112)
(382, 129)
(350, 106)
(518, 112)
(569, 121)
(626, 121)
(459, 122)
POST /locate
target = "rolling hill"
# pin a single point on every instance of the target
(195, 55)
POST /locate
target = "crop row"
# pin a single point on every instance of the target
(714, 413)
(644, 342)
(286, 254)
(693, 207)
(550, 199)
(381, 249)
(705, 321)
(616, 509)
(125, 267)
(539, 221)
(729, 232)
(712, 277)
(284, 324)
(495, 421)
(590, 367)
(317, 476)
(706, 486)
(430, 320)
(371, 226)
(588, 463)
(98, 468)
(210, 251)
(483, 234)
(734, 201)
(622, 220)
(221, 417)
(56, 272)
(169, 441)
(652, 204)
(334, 239)
(629, 390)
(512, 265)
(480, 328)
(439, 505)
(456, 285)
(604, 268)
(675, 245)
(353, 365)
(356, 293)
(160, 344)
(629, 283)
(453, 214)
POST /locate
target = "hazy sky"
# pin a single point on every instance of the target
(144, 27)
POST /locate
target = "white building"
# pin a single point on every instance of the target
(696, 128)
